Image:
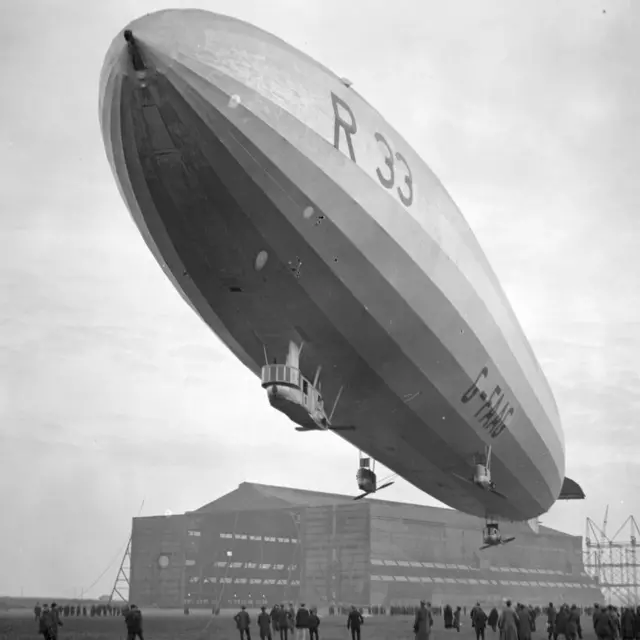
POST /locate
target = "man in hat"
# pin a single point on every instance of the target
(264, 624)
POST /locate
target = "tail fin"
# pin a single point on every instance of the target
(571, 490)
(534, 524)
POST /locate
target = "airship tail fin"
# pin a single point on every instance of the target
(571, 490)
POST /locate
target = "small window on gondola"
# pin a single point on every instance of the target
(305, 387)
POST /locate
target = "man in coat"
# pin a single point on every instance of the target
(243, 622)
(627, 624)
(354, 622)
(524, 623)
(423, 621)
(508, 623)
(264, 624)
(573, 621)
(493, 619)
(479, 621)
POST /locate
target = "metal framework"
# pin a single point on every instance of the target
(613, 561)
(122, 579)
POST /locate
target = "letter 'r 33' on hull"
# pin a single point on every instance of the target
(285, 209)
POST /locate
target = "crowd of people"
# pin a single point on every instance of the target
(512, 622)
(49, 619)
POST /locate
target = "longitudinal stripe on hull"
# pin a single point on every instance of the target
(404, 274)
(257, 59)
(146, 209)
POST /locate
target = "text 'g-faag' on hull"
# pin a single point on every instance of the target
(286, 210)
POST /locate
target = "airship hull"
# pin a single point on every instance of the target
(283, 207)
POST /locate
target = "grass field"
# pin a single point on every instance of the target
(200, 627)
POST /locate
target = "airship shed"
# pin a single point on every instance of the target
(264, 544)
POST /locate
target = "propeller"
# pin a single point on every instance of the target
(367, 493)
(471, 482)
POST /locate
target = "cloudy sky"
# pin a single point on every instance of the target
(112, 391)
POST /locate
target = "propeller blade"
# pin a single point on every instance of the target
(508, 540)
(362, 495)
(485, 546)
(308, 429)
(342, 428)
(498, 493)
(384, 486)
(457, 475)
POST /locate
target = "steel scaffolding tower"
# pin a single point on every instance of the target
(122, 584)
(613, 561)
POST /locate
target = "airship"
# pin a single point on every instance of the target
(313, 240)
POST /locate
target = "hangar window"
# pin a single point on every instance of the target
(211, 580)
(462, 580)
(403, 563)
(295, 583)
(219, 564)
(294, 540)
(415, 564)
(255, 538)
(255, 581)
(189, 563)
(436, 579)
(428, 565)
(425, 579)
(250, 565)
(269, 581)
(376, 578)
(226, 535)
(240, 536)
(292, 567)
(439, 565)
(194, 579)
(240, 581)
(283, 539)
(473, 581)
(281, 582)
(400, 578)
(387, 578)
(450, 580)
(278, 566)
(390, 563)
(269, 539)
(235, 565)
(376, 562)
(264, 566)
(226, 580)
(413, 578)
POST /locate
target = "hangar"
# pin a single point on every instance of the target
(265, 544)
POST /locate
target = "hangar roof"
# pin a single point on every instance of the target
(251, 496)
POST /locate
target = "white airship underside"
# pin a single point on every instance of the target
(285, 209)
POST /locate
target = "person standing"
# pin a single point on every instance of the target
(264, 624)
(354, 622)
(243, 622)
(508, 623)
(302, 623)
(479, 622)
(133, 622)
(423, 621)
(314, 623)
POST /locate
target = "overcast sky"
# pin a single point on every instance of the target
(112, 391)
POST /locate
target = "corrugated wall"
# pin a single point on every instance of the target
(151, 538)
(414, 558)
(336, 547)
